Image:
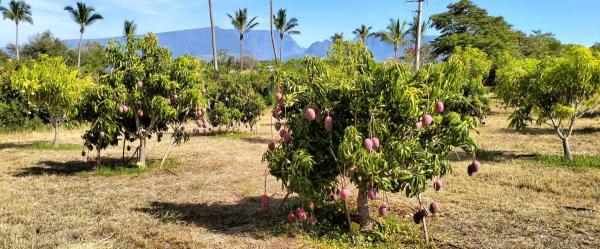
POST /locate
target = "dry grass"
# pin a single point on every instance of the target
(53, 199)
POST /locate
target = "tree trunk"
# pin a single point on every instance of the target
(241, 54)
(214, 39)
(124, 144)
(79, 50)
(566, 148)
(98, 151)
(17, 41)
(395, 53)
(142, 160)
(272, 35)
(364, 218)
(418, 43)
(56, 133)
(281, 49)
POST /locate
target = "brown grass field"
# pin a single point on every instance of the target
(53, 199)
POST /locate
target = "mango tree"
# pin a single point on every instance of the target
(51, 84)
(144, 94)
(555, 91)
(235, 100)
(349, 120)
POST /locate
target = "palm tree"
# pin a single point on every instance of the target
(17, 11)
(84, 16)
(240, 22)
(363, 32)
(285, 27)
(272, 35)
(129, 28)
(395, 35)
(213, 35)
(337, 37)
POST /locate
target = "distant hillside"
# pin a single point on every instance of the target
(197, 42)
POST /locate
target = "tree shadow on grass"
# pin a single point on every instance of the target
(68, 168)
(241, 218)
(27, 145)
(490, 156)
(257, 140)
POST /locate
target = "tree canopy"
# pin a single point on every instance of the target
(50, 83)
(466, 24)
(554, 91)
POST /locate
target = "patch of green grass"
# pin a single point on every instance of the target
(50, 146)
(233, 134)
(578, 161)
(331, 230)
(119, 169)
(389, 232)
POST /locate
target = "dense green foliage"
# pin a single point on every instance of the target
(15, 111)
(365, 100)
(553, 90)
(466, 24)
(238, 99)
(144, 94)
(51, 84)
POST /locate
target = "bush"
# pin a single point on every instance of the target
(349, 120)
(145, 94)
(15, 112)
(237, 99)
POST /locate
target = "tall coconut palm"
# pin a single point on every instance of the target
(272, 33)
(213, 34)
(363, 32)
(285, 27)
(129, 27)
(337, 37)
(240, 21)
(395, 35)
(84, 16)
(18, 11)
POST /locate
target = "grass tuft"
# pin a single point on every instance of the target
(50, 146)
(578, 161)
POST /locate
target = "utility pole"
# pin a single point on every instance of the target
(419, 35)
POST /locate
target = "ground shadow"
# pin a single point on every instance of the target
(68, 168)
(27, 145)
(256, 140)
(241, 218)
(490, 156)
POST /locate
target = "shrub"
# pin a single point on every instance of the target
(556, 91)
(49, 83)
(236, 99)
(144, 94)
(365, 100)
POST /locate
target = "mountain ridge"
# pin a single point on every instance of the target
(257, 43)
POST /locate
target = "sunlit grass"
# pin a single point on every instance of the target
(50, 146)
(578, 161)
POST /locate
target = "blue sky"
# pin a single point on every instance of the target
(573, 21)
